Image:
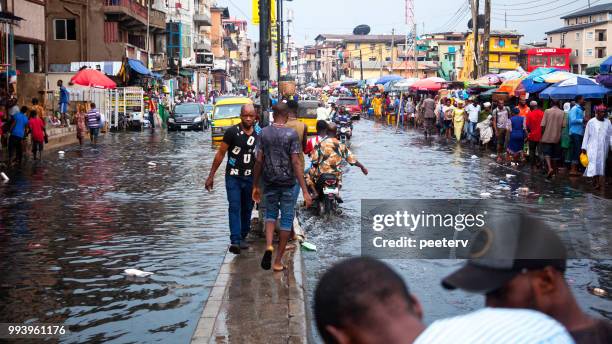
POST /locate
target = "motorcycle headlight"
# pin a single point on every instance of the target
(197, 120)
(343, 130)
(171, 120)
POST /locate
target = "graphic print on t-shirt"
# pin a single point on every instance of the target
(240, 155)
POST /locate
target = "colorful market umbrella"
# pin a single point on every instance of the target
(92, 78)
(350, 82)
(428, 85)
(606, 66)
(511, 75)
(529, 83)
(403, 85)
(593, 68)
(437, 79)
(605, 79)
(554, 77)
(485, 81)
(575, 86)
(511, 87)
(385, 79)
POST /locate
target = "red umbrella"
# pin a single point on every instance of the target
(92, 78)
(427, 85)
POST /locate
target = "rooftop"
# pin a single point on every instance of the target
(577, 27)
(361, 38)
(591, 10)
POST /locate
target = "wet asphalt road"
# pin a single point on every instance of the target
(70, 226)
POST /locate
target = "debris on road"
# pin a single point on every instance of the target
(5, 178)
(137, 273)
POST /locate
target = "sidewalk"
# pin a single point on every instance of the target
(59, 137)
(250, 305)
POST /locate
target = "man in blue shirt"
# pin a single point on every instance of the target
(18, 131)
(63, 102)
(576, 131)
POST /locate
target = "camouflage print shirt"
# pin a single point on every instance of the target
(328, 155)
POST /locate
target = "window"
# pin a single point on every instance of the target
(372, 58)
(514, 42)
(600, 52)
(589, 35)
(577, 36)
(372, 46)
(388, 59)
(588, 52)
(590, 19)
(601, 36)
(513, 58)
(558, 61)
(537, 60)
(65, 29)
(357, 45)
(577, 53)
(550, 39)
(494, 57)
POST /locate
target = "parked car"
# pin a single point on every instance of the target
(351, 104)
(187, 116)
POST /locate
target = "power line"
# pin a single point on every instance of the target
(453, 17)
(534, 13)
(515, 9)
(240, 10)
(548, 17)
(521, 3)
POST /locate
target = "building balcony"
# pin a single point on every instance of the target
(202, 43)
(159, 61)
(202, 19)
(134, 15)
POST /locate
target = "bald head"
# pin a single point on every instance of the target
(247, 115)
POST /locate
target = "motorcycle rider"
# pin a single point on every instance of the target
(327, 157)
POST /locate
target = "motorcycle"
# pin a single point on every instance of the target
(328, 190)
(344, 131)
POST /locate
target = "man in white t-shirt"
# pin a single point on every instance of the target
(473, 110)
(362, 300)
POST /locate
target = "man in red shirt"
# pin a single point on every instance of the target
(534, 129)
(37, 129)
(314, 141)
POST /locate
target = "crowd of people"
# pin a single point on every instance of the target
(520, 131)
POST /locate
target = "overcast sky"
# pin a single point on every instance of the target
(311, 17)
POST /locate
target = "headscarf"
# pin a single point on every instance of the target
(567, 107)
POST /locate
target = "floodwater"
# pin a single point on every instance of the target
(402, 165)
(71, 226)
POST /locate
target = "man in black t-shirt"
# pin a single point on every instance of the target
(239, 143)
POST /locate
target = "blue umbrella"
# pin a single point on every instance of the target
(385, 79)
(606, 66)
(529, 83)
(576, 86)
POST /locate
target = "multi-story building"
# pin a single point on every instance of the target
(310, 69)
(370, 55)
(127, 29)
(586, 33)
(504, 51)
(236, 48)
(447, 49)
(217, 33)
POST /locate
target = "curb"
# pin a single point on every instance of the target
(206, 323)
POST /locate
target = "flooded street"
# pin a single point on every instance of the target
(71, 225)
(403, 166)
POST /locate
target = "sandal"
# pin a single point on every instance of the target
(280, 270)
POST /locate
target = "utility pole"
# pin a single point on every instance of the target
(487, 38)
(264, 60)
(506, 19)
(475, 35)
(381, 59)
(288, 47)
(279, 39)
(360, 64)
(392, 48)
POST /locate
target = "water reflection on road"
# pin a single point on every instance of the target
(71, 226)
(403, 165)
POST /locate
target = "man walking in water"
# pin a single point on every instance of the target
(63, 103)
(278, 162)
(239, 143)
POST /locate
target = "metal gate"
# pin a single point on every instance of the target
(123, 101)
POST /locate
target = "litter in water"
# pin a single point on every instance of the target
(4, 176)
(599, 292)
(137, 273)
(474, 157)
(308, 246)
(151, 164)
(493, 156)
(510, 175)
(485, 194)
(523, 191)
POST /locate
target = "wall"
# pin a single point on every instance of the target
(88, 45)
(582, 44)
(216, 33)
(30, 88)
(33, 27)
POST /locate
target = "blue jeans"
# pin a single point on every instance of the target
(239, 195)
(471, 130)
(576, 148)
(280, 198)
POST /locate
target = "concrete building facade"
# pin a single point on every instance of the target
(586, 32)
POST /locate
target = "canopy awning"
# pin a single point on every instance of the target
(138, 67)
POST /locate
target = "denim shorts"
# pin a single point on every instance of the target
(281, 199)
